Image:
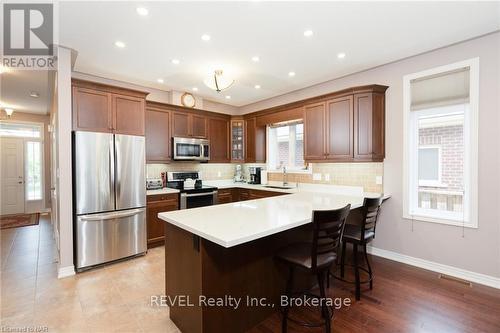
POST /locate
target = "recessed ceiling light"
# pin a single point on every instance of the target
(142, 11)
(120, 44)
(205, 37)
(291, 74)
(341, 55)
(160, 80)
(308, 33)
(255, 59)
(257, 86)
(195, 88)
(228, 97)
(176, 61)
(34, 94)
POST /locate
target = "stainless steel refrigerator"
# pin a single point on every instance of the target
(110, 197)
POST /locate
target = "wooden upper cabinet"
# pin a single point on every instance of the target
(180, 124)
(102, 108)
(314, 131)
(218, 134)
(369, 127)
(128, 115)
(189, 125)
(339, 128)
(198, 126)
(92, 110)
(250, 140)
(158, 138)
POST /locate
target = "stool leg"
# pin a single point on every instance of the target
(369, 267)
(324, 308)
(342, 260)
(289, 286)
(328, 273)
(356, 271)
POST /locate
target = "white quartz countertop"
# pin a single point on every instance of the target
(236, 223)
(164, 190)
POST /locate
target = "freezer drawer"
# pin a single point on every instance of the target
(110, 236)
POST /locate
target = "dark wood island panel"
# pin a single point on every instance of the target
(195, 266)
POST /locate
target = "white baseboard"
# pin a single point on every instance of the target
(63, 272)
(479, 278)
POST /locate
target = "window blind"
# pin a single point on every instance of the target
(448, 88)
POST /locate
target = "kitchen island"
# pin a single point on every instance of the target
(225, 253)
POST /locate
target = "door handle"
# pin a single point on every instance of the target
(110, 216)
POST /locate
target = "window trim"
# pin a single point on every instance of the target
(471, 120)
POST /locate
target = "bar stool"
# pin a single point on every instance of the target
(316, 257)
(360, 235)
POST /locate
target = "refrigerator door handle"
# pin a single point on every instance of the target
(110, 216)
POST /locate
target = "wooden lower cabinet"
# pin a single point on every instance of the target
(236, 194)
(155, 227)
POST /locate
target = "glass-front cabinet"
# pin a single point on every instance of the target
(237, 140)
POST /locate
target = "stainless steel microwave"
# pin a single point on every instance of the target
(191, 149)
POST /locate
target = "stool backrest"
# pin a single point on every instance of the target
(328, 226)
(371, 209)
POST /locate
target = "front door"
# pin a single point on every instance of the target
(12, 175)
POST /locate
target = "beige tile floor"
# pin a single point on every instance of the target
(115, 298)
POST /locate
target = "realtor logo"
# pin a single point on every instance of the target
(28, 29)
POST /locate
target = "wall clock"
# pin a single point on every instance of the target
(188, 100)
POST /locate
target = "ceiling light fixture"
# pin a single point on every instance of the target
(341, 55)
(120, 44)
(291, 74)
(255, 59)
(257, 86)
(308, 33)
(142, 11)
(218, 81)
(228, 97)
(160, 80)
(9, 112)
(205, 37)
(34, 94)
(176, 61)
(195, 88)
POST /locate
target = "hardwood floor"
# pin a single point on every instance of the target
(403, 299)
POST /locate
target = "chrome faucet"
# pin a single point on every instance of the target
(285, 177)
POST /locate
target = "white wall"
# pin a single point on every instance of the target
(64, 173)
(479, 249)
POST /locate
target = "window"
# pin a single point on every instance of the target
(440, 162)
(20, 130)
(285, 145)
(33, 170)
(429, 165)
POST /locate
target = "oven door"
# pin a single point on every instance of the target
(193, 200)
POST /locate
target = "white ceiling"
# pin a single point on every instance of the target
(16, 86)
(370, 33)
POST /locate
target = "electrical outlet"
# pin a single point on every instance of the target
(316, 176)
(378, 180)
(219, 174)
(327, 177)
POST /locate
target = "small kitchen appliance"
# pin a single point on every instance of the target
(255, 175)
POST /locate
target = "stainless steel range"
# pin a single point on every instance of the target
(192, 191)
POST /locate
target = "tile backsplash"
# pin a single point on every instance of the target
(212, 171)
(354, 174)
